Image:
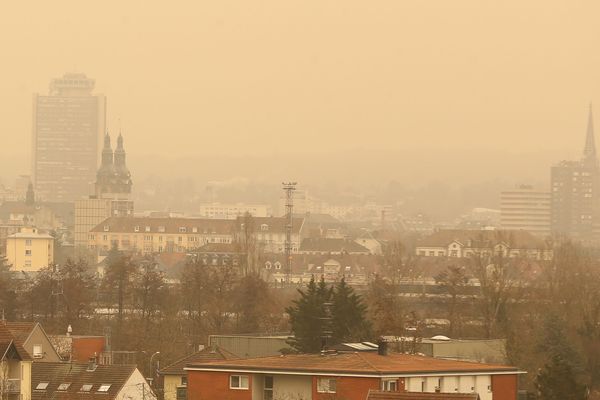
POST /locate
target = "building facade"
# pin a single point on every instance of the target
(29, 250)
(232, 211)
(526, 208)
(156, 235)
(575, 189)
(67, 126)
(349, 376)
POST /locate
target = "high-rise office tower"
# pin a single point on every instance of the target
(68, 125)
(576, 193)
(526, 208)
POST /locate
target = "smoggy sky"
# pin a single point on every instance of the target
(260, 77)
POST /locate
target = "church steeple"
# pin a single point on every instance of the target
(107, 153)
(120, 154)
(589, 151)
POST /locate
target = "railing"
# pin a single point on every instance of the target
(12, 386)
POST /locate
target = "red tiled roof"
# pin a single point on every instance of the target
(177, 368)
(57, 373)
(379, 395)
(7, 340)
(20, 330)
(355, 363)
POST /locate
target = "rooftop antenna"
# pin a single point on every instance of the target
(289, 188)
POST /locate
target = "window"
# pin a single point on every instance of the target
(161, 228)
(106, 228)
(264, 227)
(37, 351)
(136, 228)
(87, 387)
(63, 386)
(239, 382)
(268, 265)
(181, 393)
(326, 385)
(277, 265)
(182, 229)
(28, 252)
(184, 380)
(389, 385)
(268, 388)
(104, 387)
(147, 229)
(27, 242)
(42, 386)
(195, 230)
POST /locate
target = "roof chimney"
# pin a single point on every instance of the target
(92, 365)
(382, 347)
(69, 330)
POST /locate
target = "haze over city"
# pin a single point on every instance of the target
(447, 85)
(300, 200)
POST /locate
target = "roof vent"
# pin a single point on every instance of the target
(92, 365)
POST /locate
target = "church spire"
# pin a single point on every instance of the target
(107, 153)
(589, 151)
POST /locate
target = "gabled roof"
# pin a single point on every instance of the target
(332, 245)
(57, 373)
(379, 395)
(360, 364)
(177, 368)
(20, 330)
(7, 340)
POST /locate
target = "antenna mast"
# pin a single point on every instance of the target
(289, 188)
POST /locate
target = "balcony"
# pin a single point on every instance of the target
(12, 386)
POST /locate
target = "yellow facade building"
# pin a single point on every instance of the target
(29, 250)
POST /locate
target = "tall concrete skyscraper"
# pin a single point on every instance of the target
(68, 125)
(576, 193)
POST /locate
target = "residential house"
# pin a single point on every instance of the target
(15, 368)
(34, 340)
(270, 232)
(88, 381)
(468, 243)
(347, 375)
(251, 346)
(79, 348)
(29, 250)
(175, 377)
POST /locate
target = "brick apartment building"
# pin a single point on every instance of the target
(348, 376)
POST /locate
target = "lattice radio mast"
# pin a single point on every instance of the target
(289, 188)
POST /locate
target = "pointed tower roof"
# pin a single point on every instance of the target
(589, 151)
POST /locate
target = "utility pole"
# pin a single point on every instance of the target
(289, 188)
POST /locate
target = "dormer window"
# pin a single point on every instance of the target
(106, 228)
(147, 229)
(264, 227)
(161, 228)
(87, 387)
(277, 265)
(268, 265)
(104, 387)
(182, 229)
(195, 230)
(136, 228)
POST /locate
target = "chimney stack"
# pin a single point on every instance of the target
(382, 347)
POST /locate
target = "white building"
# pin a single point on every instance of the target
(232, 211)
(526, 208)
(29, 250)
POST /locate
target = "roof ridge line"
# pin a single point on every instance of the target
(367, 361)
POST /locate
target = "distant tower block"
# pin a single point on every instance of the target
(289, 188)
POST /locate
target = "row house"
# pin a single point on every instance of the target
(349, 376)
(270, 232)
(468, 243)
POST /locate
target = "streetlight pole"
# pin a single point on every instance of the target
(151, 372)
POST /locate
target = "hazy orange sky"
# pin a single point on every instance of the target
(259, 77)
